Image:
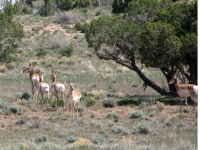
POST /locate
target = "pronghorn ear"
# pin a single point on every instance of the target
(52, 71)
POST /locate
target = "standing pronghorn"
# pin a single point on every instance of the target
(34, 78)
(73, 100)
(56, 89)
(43, 88)
(185, 90)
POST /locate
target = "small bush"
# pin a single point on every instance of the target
(26, 96)
(110, 123)
(114, 116)
(143, 128)
(112, 140)
(138, 114)
(41, 138)
(120, 129)
(108, 103)
(97, 139)
(90, 102)
(15, 109)
(20, 121)
(35, 124)
(71, 139)
(67, 51)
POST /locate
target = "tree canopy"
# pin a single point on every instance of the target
(11, 33)
(160, 34)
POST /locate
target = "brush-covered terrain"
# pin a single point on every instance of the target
(135, 119)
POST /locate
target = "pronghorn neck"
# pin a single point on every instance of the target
(176, 82)
(41, 78)
(53, 79)
(31, 72)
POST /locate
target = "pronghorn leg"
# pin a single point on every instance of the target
(47, 100)
(63, 101)
(37, 98)
(186, 103)
(57, 101)
(50, 102)
(42, 100)
(194, 101)
(77, 111)
(32, 86)
(180, 103)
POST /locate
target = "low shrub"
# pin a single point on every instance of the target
(67, 51)
(143, 128)
(108, 103)
(97, 139)
(41, 138)
(138, 114)
(120, 129)
(114, 116)
(90, 102)
(71, 139)
(15, 109)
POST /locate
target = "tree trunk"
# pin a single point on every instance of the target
(147, 82)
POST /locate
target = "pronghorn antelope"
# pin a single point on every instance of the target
(56, 89)
(185, 90)
(34, 78)
(73, 100)
(43, 88)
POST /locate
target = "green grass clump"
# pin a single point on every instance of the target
(67, 51)
(90, 102)
(114, 116)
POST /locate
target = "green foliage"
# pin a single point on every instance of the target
(67, 51)
(47, 10)
(90, 102)
(64, 4)
(11, 34)
(155, 33)
(41, 53)
(119, 6)
(114, 116)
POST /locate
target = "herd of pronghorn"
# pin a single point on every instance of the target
(73, 97)
(56, 89)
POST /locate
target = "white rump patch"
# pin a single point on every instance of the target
(195, 89)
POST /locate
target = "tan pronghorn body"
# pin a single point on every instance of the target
(43, 89)
(73, 100)
(34, 78)
(56, 89)
(185, 90)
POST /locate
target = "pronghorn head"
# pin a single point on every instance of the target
(173, 80)
(29, 69)
(72, 85)
(53, 76)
